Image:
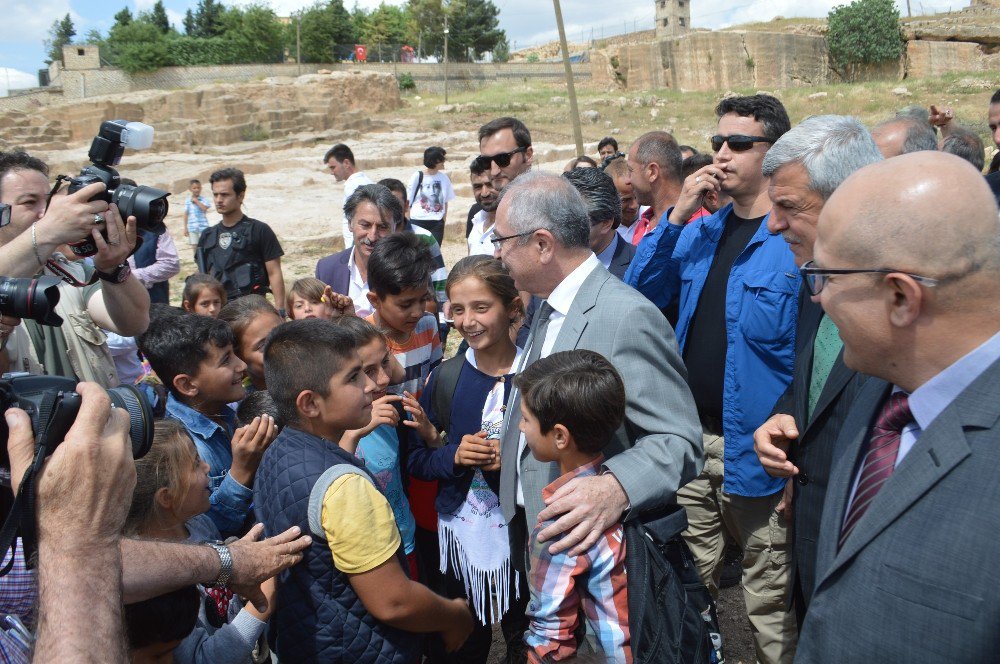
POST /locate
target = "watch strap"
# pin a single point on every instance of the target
(116, 276)
(225, 565)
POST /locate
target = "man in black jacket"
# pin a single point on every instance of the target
(806, 165)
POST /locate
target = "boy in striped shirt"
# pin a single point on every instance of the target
(571, 404)
(399, 275)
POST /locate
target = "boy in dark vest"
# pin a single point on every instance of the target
(349, 600)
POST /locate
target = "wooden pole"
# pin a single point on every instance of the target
(570, 88)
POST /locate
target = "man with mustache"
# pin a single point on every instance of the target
(481, 223)
(372, 212)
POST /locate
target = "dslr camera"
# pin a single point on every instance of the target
(147, 204)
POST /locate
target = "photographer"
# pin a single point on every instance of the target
(33, 243)
(85, 567)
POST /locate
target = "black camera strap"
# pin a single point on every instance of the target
(22, 520)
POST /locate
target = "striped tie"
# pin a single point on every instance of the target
(880, 461)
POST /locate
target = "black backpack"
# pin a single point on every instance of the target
(672, 617)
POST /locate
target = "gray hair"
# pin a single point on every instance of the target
(540, 200)
(830, 147)
(378, 195)
(967, 145)
(598, 189)
(919, 134)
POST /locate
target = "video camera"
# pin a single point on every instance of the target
(147, 204)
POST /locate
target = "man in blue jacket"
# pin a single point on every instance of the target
(737, 287)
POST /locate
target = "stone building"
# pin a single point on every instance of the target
(673, 18)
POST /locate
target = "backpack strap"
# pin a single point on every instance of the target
(445, 382)
(318, 493)
(416, 190)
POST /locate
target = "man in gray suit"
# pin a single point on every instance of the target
(906, 568)
(542, 237)
(806, 165)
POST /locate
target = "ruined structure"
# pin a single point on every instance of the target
(673, 18)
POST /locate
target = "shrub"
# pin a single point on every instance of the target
(406, 81)
(863, 34)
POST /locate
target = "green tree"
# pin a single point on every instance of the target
(208, 19)
(473, 27)
(501, 52)
(189, 23)
(138, 46)
(327, 32)
(863, 34)
(60, 34)
(254, 34)
(124, 17)
(158, 17)
(386, 24)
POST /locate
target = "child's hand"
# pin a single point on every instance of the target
(342, 305)
(460, 627)
(249, 444)
(495, 444)
(270, 590)
(420, 422)
(475, 451)
(383, 412)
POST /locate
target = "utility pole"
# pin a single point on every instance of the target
(298, 42)
(446, 55)
(570, 88)
(908, 12)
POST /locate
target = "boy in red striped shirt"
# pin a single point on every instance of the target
(571, 405)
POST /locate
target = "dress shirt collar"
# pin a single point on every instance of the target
(927, 401)
(562, 296)
(609, 251)
(585, 470)
(355, 272)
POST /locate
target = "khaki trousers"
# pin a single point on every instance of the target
(715, 516)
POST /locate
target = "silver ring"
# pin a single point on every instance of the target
(98, 219)
(698, 179)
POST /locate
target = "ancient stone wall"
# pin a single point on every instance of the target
(214, 114)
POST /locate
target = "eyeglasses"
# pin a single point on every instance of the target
(4, 214)
(482, 162)
(738, 142)
(816, 277)
(497, 241)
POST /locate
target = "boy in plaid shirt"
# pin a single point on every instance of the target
(571, 404)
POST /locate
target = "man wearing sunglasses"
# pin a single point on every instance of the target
(806, 166)
(737, 286)
(504, 150)
(907, 265)
(103, 295)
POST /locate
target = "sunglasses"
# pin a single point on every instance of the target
(737, 142)
(482, 162)
(4, 214)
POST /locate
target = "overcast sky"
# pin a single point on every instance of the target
(25, 23)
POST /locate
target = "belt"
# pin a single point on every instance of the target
(710, 424)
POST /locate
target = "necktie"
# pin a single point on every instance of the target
(826, 348)
(641, 227)
(880, 461)
(538, 338)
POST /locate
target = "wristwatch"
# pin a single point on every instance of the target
(225, 565)
(119, 275)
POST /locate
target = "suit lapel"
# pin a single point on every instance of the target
(853, 437)
(576, 318)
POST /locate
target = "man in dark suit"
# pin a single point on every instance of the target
(372, 213)
(906, 560)
(806, 165)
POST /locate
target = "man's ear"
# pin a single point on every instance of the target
(652, 171)
(546, 242)
(529, 152)
(307, 404)
(373, 299)
(906, 299)
(186, 385)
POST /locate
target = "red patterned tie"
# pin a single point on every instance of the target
(880, 461)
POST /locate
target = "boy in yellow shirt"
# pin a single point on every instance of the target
(349, 600)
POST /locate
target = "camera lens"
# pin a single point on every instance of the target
(34, 299)
(140, 415)
(148, 205)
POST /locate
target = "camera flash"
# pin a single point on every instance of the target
(137, 135)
